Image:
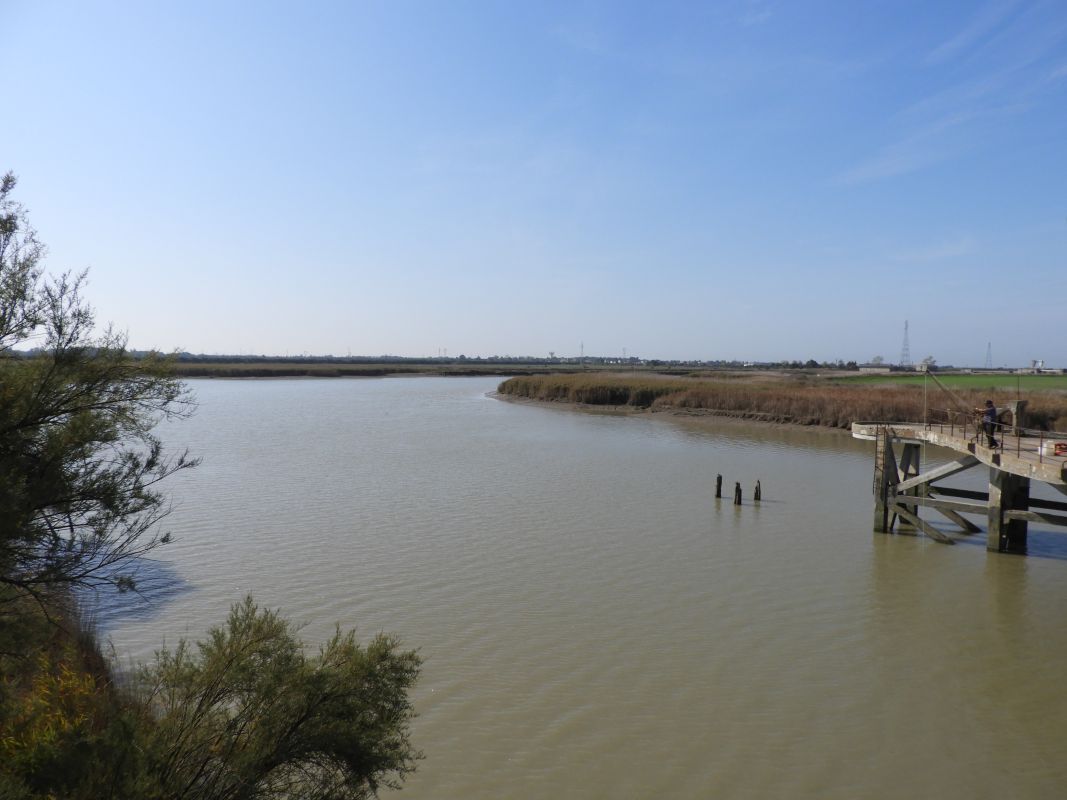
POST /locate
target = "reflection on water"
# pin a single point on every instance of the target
(594, 622)
(156, 583)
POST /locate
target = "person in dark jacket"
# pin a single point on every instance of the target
(989, 421)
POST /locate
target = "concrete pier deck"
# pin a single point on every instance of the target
(1027, 455)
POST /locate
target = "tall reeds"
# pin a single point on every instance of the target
(806, 403)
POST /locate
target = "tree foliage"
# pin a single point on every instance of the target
(79, 462)
(248, 715)
(244, 714)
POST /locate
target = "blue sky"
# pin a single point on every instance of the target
(750, 180)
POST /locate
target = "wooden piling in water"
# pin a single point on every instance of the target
(757, 494)
(737, 493)
(718, 486)
(910, 459)
(885, 474)
(1007, 492)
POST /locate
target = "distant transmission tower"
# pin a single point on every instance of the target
(905, 351)
(989, 355)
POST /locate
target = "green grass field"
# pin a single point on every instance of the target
(1031, 383)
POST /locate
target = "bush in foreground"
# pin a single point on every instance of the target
(244, 713)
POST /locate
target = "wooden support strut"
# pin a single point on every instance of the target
(923, 525)
(891, 482)
(1035, 516)
(910, 459)
(950, 505)
(1035, 502)
(965, 524)
(943, 471)
(921, 485)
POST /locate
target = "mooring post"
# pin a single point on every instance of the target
(757, 494)
(1007, 492)
(718, 486)
(737, 493)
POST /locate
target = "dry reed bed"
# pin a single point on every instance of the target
(817, 403)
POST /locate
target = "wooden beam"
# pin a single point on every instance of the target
(910, 458)
(951, 492)
(922, 524)
(965, 524)
(941, 472)
(951, 509)
(951, 505)
(1055, 505)
(1036, 516)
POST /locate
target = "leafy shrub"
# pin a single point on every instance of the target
(245, 713)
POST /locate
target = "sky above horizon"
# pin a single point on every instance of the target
(737, 180)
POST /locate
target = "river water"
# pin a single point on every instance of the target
(593, 622)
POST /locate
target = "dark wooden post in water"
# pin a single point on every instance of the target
(1007, 493)
(885, 474)
(757, 494)
(737, 493)
(718, 485)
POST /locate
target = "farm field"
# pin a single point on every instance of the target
(1002, 381)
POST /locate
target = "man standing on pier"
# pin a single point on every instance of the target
(989, 421)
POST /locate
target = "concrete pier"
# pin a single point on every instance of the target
(900, 491)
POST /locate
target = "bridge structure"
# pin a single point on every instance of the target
(1019, 457)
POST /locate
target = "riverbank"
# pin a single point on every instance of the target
(701, 418)
(803, 400)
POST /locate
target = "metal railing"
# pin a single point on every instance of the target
(1048, 445)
